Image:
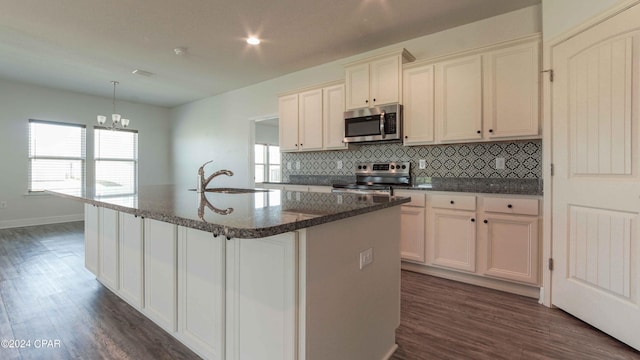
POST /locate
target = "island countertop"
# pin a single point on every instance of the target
(245, 215)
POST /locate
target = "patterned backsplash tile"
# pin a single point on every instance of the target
(523, 160)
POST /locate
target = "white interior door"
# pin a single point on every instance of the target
(596, 187)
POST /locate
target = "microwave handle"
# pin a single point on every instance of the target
(382, 132)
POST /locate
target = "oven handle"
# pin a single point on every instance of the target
(382, 132)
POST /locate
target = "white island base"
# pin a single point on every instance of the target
(297, 295)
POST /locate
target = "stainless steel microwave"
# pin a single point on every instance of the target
(381, 123)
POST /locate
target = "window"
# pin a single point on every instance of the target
(116, 157)
(267, 162)
(56, 156)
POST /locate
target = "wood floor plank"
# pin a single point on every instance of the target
(45, 292)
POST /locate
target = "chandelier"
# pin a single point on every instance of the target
(117, 121)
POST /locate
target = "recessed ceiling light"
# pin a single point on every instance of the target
(252, 40)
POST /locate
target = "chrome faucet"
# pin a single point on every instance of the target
(202, 182)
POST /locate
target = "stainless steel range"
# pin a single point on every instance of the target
(377, 178)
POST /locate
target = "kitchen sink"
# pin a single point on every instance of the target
(233, 190)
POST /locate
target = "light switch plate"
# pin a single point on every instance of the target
(500, 163)
(366, 257)
(422, 164)
(297, 165)
(339, 164)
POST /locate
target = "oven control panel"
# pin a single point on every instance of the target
(389, 168)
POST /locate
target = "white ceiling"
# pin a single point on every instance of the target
(81, 45)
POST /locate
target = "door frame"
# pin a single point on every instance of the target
(547, 136)
(252, 140)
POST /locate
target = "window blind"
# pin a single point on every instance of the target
(56, 156)
(116, 161)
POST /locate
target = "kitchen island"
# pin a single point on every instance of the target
(264, 275)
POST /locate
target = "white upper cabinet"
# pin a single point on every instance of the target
(312, 119)
(357, 79)
(288, 122)
(486, 94)
(511, 91)
(375, 81)
(418, 111)
(333, 117)
(459, 99)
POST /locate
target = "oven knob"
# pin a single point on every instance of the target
(404, 167)
(359, 167)
(392, 167)
(364, 167)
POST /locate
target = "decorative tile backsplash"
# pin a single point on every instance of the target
(523, 160)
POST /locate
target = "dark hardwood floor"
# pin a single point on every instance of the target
(49, 299)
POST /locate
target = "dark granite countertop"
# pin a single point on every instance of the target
(248, 215)
(506, 186)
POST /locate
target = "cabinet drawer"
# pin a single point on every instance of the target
(418, 198)
(511, 206)
(458, 202)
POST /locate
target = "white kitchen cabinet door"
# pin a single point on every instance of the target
(385, 81)
(160, 273)
(261, 297)
(453, 239)
(458, 99)
(288, 122)
(310, 120)
(201, 291)
(511, 89)
(333, 117)
(357, 86)
(91, 242)
(412, 239)
(512, 247)
(108, 240)
(131, 259)
(418, 109)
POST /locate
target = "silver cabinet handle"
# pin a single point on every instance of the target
(382, 125)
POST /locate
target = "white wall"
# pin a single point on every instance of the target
(559, 16)
(20, 102)
(217, 128)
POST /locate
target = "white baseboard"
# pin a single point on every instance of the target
(6, 224)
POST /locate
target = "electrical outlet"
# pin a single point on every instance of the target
(339, 164)
(500, 163)
(366, 257)
(422, 164)
(289, 165)
(297, 165)
(3, 204)
(339, 200)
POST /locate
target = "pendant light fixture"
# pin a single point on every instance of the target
(117, 121)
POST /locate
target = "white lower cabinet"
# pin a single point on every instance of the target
(412, 226)
(261, 307)
(91, 235)
(452, 231)
(201, 292)
(487, 235)
(453, 235)
(131, 259)
(108, 248)
(512, 241)
(160, 273)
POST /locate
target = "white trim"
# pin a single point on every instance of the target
(6, 224)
